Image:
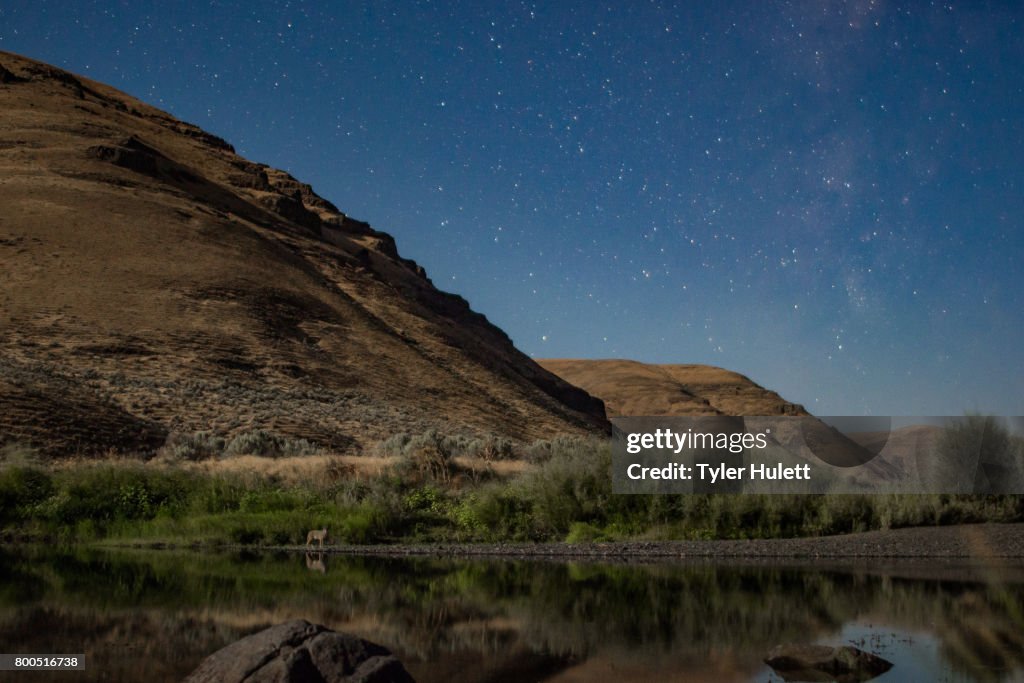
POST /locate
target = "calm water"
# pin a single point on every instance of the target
(154, 615)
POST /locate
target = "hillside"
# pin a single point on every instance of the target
(156, 282)
(631, 388)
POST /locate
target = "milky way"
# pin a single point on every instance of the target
(825, 197)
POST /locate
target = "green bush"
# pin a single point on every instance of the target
(463, 514)
(363, 524)
(573, 485)
(581, 532)
(20, 488)
(502, 515)
(275, 499)
(215, 495)
(109, 492)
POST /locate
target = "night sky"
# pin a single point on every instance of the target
(825, 197)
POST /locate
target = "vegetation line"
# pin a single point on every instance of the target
(424, 494)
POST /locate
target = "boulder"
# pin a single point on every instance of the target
(845, 664)
(300, 652)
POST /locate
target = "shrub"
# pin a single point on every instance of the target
(573, 485)
(366, 523)
(491, 448)
(394, 445)
(20, 454)
(299, 447)
(537, 452)
(581, 532)
(464, 515)
(283, 537)
(429, 458)
(260, 442)
(257, 442)
(105, 493)
(193, 446)
(22, 487)
(245, 535)
(500, 515)
(488, 448)
(217, 495)
(274, 500)
(541, 451)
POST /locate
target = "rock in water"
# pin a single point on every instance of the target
(301, 652)
(844, 664)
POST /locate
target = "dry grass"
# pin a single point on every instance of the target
(502, 468)
(307, 470)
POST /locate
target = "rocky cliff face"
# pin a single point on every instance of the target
(157, 282)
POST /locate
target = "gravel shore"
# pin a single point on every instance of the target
(983, 541)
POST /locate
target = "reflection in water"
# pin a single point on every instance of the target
(315, 562)
(916, 656)
(155, 615)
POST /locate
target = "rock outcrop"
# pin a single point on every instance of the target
(300, 652)
(844, 664)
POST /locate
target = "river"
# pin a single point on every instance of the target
(145, 615)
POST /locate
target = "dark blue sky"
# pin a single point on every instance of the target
(826, 197)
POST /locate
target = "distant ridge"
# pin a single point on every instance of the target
(156, 282)
(631, 388)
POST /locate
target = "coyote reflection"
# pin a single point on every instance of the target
(316, 535)
(315, 562)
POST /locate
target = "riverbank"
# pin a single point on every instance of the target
(563, 500)
(979, 541)
(987, 542)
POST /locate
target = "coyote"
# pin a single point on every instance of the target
(316, 535)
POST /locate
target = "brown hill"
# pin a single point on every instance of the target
(630, 388)
(157, 282)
